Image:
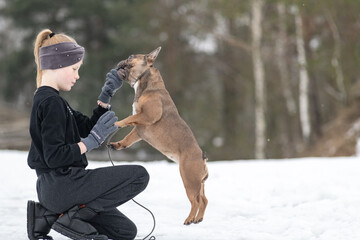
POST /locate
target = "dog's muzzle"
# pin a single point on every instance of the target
(123, 65)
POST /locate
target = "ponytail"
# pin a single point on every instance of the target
(44, 34)
(45, 38)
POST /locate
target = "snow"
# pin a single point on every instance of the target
(293, 199)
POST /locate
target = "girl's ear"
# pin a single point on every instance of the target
(152, 56)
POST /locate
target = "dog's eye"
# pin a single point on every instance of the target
(131, 57)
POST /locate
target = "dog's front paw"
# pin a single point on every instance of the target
(116, 146)
(119, 124)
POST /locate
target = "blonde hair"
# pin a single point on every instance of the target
(43, 39)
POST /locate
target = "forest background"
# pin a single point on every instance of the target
(252, 78)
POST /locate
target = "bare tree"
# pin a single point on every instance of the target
(281, 60)
(258, 68)
(335, 61)
(303, 77)
(281, 46)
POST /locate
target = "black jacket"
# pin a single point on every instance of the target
(55, 130)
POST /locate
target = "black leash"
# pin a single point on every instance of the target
(108, 149)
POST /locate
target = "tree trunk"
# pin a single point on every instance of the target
(303, 79)
(281, 55)
(335, 61)
(231, 107)
(258, 68)
(282, 63)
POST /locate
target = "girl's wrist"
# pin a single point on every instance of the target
(103, 105)
(82, 147)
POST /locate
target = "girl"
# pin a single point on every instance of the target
(75, 202)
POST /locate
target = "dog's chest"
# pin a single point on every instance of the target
(133, 109)
(136, 85)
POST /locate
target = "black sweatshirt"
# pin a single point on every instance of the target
(55, 130)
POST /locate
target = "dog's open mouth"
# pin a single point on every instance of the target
(123, 65)
(123, 69)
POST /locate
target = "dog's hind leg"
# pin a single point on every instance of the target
(192, 184)
(203, 204)
(194, 198)
(203, 199)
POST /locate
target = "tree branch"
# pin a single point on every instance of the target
(234, 42)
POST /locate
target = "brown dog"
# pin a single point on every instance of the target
(157, 121)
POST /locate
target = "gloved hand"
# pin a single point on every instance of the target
(103, 128)
(112, 84)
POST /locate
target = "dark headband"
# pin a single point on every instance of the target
(60, 55)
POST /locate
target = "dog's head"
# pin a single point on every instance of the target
(135, 66)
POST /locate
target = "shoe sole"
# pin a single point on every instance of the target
(74, 235)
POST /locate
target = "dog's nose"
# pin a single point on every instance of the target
(121, 64)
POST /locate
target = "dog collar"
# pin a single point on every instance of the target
(141, 75)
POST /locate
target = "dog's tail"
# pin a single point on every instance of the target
(206, 171)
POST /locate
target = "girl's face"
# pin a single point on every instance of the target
(67, 76)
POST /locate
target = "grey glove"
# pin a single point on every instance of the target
(112, 84)
(103, 128)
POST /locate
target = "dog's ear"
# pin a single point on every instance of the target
(152, 56)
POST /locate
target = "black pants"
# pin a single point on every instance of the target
(101, 189)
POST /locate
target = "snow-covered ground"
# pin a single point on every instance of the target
(312, 198)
